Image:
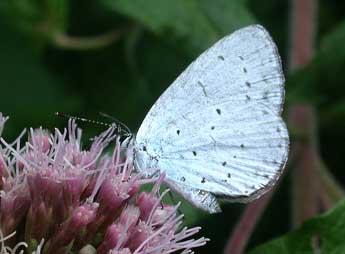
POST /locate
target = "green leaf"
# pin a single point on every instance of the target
(325, 233)
(318, 83)
(226, 16)
(194, 25)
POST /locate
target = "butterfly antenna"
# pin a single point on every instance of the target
(121, 125)
(85, 120)
(115, 125)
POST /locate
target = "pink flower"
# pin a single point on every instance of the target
(56, 196)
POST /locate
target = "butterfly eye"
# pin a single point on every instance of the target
(144, 148)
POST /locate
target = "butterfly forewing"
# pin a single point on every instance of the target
(217, 128)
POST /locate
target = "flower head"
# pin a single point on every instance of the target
(56, 196)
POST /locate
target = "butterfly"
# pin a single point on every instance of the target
(217, 132)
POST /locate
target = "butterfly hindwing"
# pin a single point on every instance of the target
(217, 127)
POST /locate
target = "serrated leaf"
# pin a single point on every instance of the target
(194, 24)
(323, 234)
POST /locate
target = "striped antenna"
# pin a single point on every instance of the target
(120, 124)
(116, 124)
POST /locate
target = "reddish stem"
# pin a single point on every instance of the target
(244, 228)
(302, 118)
(303, 27)
(305, 185)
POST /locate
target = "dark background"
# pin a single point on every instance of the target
(53, 58)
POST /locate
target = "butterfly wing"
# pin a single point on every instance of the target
(199, 198)
(217, 128)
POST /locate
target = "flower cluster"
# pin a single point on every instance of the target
(56, 197)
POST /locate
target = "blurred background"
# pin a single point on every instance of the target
(118, 56)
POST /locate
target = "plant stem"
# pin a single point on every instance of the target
(244, 228)
(65, 41)
(305, 184)
(302, 117)
(302, 32)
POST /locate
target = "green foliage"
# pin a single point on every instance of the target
(193, 24)
(325, 233)
(318, 82)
